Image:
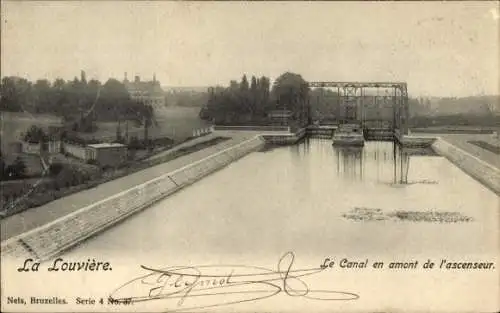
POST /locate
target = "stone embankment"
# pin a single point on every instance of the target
(485, 173)
(49, 240)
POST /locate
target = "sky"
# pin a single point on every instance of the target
(438, 48)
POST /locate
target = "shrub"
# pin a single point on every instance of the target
(135, 143)
(107, 168)
(16, 170)
(55, 168)
(72, 175)
(2, 168)
(93, 162)
(163, 141)
(35, 135)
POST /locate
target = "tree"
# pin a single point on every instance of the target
(244, 84)
(16, 94)
(239, 102)
(114, 100)
(83, 77)
(263, 86)
(42, 94)
(58, 96)
(59, 84)
(323, 103)
(245, 106)
(9, 101)
(79, 101)
(253, 85)
(118, 132)
(2, 166)
(35, 134)
(148, 116)
(254, 95)
(291, 91)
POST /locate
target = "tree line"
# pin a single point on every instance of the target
(74, 100)
(246, 101)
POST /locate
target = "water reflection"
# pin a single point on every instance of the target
(385, 162)
(378, 161)
(351, 161)
(292, 198)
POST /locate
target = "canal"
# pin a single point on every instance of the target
(352, 206)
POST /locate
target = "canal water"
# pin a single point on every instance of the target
(377, 203)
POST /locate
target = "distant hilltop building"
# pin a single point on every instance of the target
(146, 92)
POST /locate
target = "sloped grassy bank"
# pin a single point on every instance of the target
(72, 179)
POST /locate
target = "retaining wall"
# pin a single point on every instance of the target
(49, 240)
(253, 128)
(485, 173)
(285, 139)
(325, 132)
(413, 140)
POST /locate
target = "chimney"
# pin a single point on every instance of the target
(137, 79)
(154, 77)
(125, 79)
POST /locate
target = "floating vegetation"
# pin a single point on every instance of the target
(423, 181)
(414, 182)
(429, 216)
(365, 214)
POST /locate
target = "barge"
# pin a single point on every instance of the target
(349, 135)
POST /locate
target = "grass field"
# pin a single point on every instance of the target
(454, 129)
(486, 145)
(177, 123)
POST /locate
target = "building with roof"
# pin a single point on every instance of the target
(280, 117)
(102, 154)
(146, 92)
(107, 154)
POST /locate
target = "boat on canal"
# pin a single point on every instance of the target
(349, 135)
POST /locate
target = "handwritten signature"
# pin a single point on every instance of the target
(218, 285)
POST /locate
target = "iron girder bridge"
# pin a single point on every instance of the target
(352, 98)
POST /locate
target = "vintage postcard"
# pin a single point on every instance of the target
(173, 156)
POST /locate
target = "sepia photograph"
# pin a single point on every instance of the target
(250, 156)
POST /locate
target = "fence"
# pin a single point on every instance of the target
(202, 131)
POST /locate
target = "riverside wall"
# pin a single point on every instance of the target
(483, 172)
(51, 239)
(289, 138)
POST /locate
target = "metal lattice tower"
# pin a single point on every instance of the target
(352, 100)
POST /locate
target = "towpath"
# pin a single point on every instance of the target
(35, 217)
(463, 141)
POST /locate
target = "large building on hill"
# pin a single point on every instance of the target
(146, 92)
